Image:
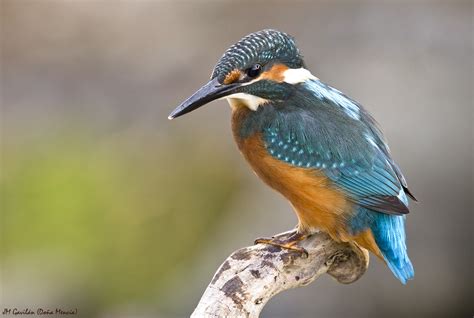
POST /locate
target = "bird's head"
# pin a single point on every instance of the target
(261, 67)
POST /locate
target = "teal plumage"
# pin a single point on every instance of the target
(312, 131)
(264, 46)
(306, 124)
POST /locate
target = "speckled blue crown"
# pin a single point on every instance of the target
(259, 47)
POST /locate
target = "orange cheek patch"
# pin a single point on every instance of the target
(275, 73)
(233, 76)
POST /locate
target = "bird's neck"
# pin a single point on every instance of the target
(240, 115)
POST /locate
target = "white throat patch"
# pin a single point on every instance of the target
(250, 101)
(297, 75)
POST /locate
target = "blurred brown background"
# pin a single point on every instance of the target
(108, 207)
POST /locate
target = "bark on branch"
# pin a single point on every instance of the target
(251, 276)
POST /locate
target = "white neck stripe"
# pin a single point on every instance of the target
(297, 75)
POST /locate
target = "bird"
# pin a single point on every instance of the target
(314, 145)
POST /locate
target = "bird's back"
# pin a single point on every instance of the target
(329, 159)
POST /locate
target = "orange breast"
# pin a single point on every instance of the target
(318, 205)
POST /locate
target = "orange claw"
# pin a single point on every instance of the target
(289, 244)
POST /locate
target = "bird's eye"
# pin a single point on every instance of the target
(254, 71)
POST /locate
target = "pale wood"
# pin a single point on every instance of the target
(251, 276)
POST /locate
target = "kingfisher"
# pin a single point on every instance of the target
(313, 144)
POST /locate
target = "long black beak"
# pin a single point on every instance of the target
(209, 92)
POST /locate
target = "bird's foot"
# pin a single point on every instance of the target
(289, 243)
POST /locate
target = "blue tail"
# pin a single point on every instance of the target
(389, 234)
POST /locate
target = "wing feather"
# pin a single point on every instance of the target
(348, 147)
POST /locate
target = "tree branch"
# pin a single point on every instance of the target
(251, 276)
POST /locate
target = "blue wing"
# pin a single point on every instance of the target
(338, 137)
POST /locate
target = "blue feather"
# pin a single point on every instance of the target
(375, 185)
(389, 234)
(321, 129)
(323, 91)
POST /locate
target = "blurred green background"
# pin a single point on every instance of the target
(108, 207)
